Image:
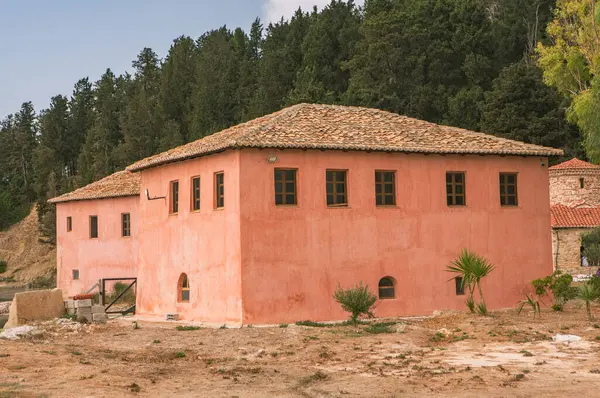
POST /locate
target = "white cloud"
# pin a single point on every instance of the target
(275, 9)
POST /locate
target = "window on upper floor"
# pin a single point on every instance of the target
(69, 224)
(125, 224)
(195, 193)
(93, 227)
(337, 189)
(455, 188)
(174, 197)
(285, 187)
(508, 189)
(581, 183)
(219, 190)
(385, 188)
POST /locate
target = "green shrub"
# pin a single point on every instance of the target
(313, 324)
(591, 246)
(357, 300)
(560, 286)
(182, 328)
(118, 288)
(3, 266)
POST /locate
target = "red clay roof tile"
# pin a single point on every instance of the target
(121, 183)
(574, 164)
(312, 126)
(562, 216)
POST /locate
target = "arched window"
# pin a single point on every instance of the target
(387, 288)
(183, 289)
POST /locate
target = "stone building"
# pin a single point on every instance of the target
(575, 210)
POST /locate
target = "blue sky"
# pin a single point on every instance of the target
(46, 46)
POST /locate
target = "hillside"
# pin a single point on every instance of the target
(29, 260)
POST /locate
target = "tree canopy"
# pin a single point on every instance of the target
(467, 63)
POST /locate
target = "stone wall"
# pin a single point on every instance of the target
(565, 187)
(35, 306)
(567, 242)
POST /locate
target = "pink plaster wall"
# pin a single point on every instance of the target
(108, 256)
(205, 244)
(294, 257)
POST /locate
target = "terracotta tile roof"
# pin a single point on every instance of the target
(562, 216)
(574, 164)
(311, 126)
(121, 183)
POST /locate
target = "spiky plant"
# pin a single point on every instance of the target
(588, 292)
(472, 268)
(534, 304)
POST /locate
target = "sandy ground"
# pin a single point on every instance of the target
(504, 355)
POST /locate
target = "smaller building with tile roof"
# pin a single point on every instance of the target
(575, 210)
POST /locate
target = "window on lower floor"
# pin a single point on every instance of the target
(183, 287)
(75, 274)
(93, 227)
(69, 224)
(285, 187)
(337, 192)
(508, 189)
(460, 286)
(125, 224)
(387, 287)
(455, 188)
(581, 183)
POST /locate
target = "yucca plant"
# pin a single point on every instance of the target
(534, 304)
(472, 268)
(588, 292)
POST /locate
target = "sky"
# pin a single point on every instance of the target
(46, 46)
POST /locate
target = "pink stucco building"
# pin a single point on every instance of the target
(259, 223)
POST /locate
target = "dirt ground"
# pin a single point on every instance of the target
(27, 255)
(504, 355)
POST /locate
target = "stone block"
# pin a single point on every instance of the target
(171, 316)
(71, 311)
(35, 306)
(83, 303)
(97, 309)
(69, 303)
(99, 317)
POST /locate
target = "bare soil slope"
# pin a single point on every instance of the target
(27, 256)
(454, 354)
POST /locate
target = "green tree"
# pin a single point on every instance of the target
(521, 107)
(139, 119)
(570, 63)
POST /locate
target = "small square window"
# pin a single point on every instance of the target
(69, 224)
(336, 188)
(285, 187)
(75, 274)
(508, 189)
(455, 188)
(385, 188)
